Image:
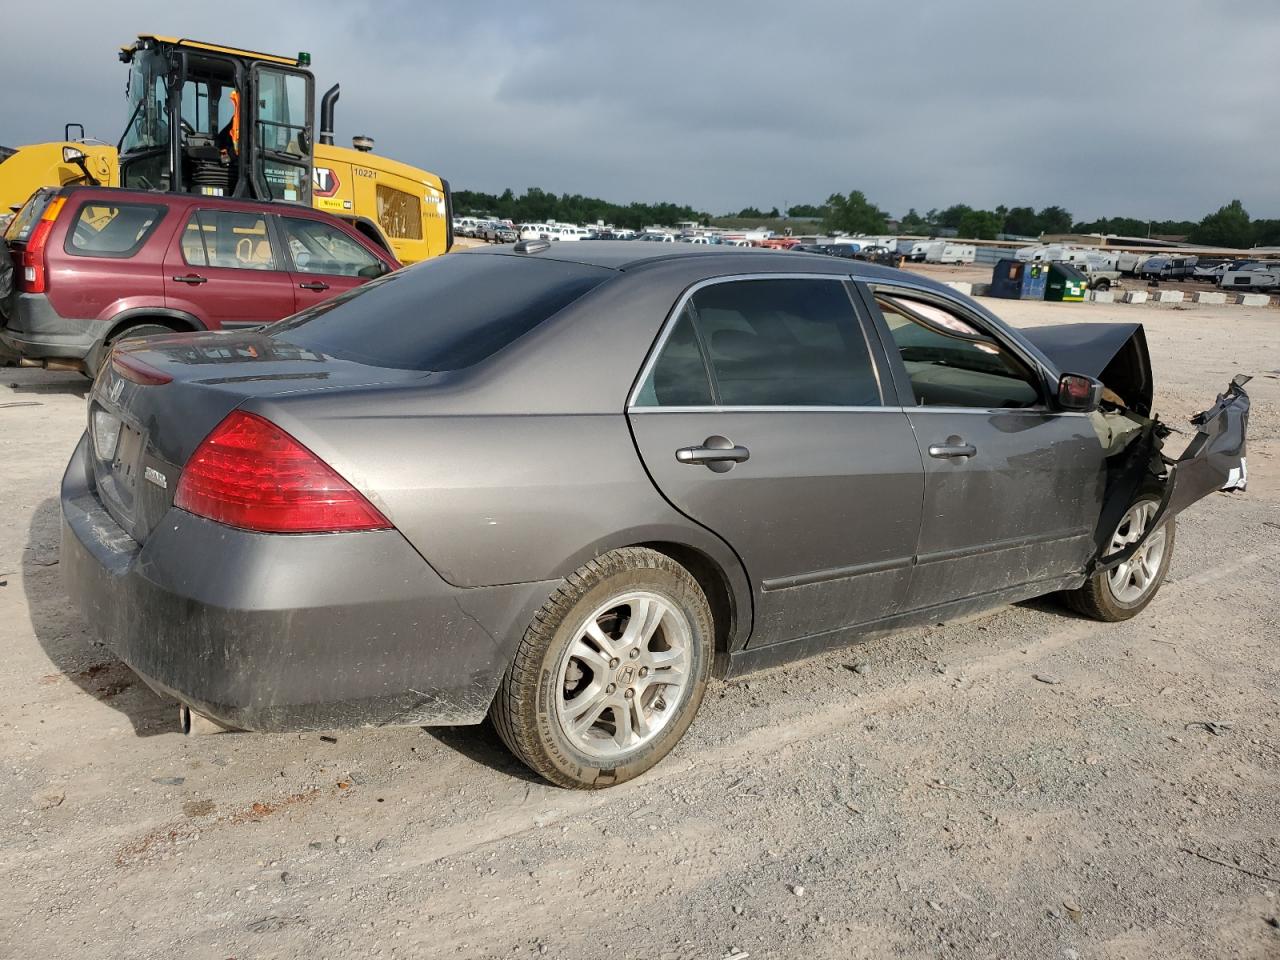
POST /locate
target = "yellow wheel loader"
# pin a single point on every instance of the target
(222, 121)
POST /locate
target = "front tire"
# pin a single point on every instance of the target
(1124, 592)
(610, 673)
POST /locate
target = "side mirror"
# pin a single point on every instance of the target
(1079, 393)
(373, 271)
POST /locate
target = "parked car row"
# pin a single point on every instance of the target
(82, 268)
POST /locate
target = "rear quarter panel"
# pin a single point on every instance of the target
(99, 288)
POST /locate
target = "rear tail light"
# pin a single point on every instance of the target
(249, 473)
(35, 274)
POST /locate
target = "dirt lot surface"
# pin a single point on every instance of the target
(1026, 784)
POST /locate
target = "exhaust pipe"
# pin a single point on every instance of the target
(194, 724)
(326, 113)
(70, 366)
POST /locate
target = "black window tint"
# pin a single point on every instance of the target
(953, 364)
(785, 343)
(444, 314)
(111, 230)
(679, 375)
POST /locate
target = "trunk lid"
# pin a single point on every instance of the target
(141, 434)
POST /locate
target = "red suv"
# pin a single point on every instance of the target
(91, 265)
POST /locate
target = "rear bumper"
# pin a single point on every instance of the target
(269, 632)
(34, 330)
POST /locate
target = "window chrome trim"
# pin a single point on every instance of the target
(764, 409)
(673, 318)
(1000, 335)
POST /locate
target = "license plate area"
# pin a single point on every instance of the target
(118, 478)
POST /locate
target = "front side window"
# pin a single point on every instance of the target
(111, 230)
(950, 362)
(322, 248)
(230, 239)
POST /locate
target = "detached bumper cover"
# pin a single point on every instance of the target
(304, 632)
(1213, 460)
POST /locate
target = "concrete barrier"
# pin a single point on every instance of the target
(1168, 296)
(961, 287)
(1102, 296)
(1136, 296)
(1205, 296)
(1253, 300)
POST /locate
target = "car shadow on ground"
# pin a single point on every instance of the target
(44, 382)
(482, 745)
(66, 640)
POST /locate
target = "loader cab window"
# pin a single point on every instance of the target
(148, 99)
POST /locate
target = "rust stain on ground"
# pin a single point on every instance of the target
(164, 838)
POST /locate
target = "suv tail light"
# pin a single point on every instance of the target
(249, 473)
(35, 276)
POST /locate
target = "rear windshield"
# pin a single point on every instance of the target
(24, 220)
(446, 314)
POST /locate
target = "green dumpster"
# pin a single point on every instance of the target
(1066, 283)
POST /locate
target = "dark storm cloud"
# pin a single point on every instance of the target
(1155, 109)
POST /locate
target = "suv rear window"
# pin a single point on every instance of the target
(25, 219)
(103, 229)
(444, 314)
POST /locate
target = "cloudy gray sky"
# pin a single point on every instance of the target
(1157, 109)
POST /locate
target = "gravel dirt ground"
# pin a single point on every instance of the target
(939, 800)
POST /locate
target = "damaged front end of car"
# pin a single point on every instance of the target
(1135, 439)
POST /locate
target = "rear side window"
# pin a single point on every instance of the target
(230, 239)
(445, 314)
(111, 230)
(679, 375)
(785, 342)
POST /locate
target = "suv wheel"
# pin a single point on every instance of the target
(610, 672)
(128, 333)
(1125, 591)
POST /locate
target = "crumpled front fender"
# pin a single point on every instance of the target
(1213, 460)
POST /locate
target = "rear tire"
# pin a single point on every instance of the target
(1122, 593)
(610, 673)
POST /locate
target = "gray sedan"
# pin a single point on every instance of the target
(562, 486)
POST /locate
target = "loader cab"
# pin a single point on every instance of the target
(217, 121)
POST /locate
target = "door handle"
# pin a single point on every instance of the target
(314, 285)
(953, 449)
(716, 452)
(192, 278)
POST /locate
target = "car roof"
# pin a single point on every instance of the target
(614, 255)
(188, 199)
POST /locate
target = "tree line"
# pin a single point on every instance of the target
(1229, 226)
(536, 205)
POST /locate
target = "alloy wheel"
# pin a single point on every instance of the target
(1132, 580)
(624, 675)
